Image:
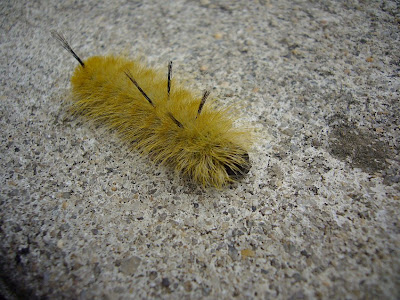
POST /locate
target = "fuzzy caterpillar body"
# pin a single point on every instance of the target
(160, 118)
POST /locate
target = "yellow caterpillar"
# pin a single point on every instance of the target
(160, 118)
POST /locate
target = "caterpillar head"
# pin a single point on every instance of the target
(221, 165)
(240, 169)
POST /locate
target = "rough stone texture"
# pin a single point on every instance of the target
(318, 216)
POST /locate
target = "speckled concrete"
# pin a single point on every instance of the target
(82, 217)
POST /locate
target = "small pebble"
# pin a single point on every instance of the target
(247, 253)
(203, 68)
(130, 265)
(60, 244)
(218, 35)
(165, 282)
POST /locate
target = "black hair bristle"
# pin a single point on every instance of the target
(138, 87)
(169, 77)
(203, 100)
(61, 39)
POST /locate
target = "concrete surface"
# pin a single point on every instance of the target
(82, 217)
